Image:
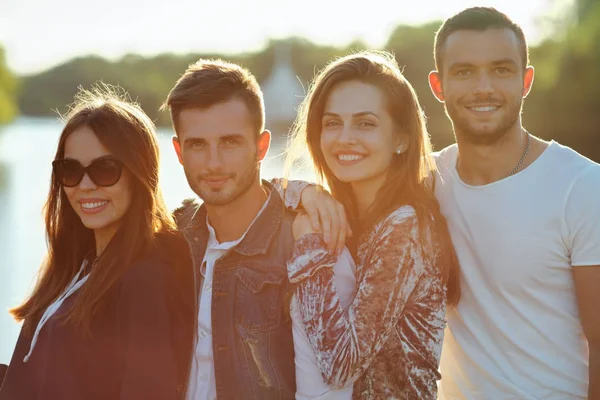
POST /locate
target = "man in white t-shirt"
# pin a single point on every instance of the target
(524, 215)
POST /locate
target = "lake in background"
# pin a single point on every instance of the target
(27, 149)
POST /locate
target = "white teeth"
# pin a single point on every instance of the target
(486, 108)
(93, 205)
(350, 157)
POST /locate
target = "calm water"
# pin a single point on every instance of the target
(26, 151)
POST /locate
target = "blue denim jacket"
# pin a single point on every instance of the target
(252, 333)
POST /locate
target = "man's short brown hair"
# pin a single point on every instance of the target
(208, 82)
(476, 19)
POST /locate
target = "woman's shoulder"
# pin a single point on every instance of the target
(399, 222)
(402, 216)
(403, 222)
(168, 257)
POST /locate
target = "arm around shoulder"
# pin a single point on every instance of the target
(290, 191)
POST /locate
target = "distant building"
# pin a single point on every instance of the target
(282, 92)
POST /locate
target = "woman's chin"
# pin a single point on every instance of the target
(349, 178)
(97, 224)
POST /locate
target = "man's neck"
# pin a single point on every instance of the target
(230, 221)
(481, 164)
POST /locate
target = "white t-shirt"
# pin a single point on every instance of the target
(516, 332)
(202, 384)
(309, 381)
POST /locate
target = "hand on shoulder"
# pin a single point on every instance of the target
(326, 215)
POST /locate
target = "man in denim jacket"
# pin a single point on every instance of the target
(240, 238)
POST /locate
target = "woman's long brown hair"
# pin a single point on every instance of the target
(127, 132)
(409, 173)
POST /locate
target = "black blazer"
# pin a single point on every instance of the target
(139, 346)
(3, 368)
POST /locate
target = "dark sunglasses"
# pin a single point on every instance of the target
(105, 171)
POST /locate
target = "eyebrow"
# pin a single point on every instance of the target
(191, 140)
(504, 61)
(355, 115)
(460, 65)
(229, 136)
(236, 136)
(495, 62)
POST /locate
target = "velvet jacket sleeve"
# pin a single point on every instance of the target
(346, 342)
(148, 361)
(292, 194)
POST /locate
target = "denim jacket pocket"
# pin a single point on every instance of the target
(258, 298)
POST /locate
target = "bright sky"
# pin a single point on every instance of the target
(38, 34)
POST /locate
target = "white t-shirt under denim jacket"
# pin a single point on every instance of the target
(202, 383)
(516, 333)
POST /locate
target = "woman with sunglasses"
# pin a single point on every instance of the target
(381, 337)
(108, 318)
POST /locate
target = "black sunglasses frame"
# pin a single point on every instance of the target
(89, 170)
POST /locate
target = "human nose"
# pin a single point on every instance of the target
(484, 84)
(87, 183)
(346, 135)
(214, 159)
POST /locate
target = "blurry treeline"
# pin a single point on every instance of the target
(563, 104)
(8, 91)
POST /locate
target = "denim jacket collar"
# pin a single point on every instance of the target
(260, 235)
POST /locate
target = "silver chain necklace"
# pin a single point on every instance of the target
(521, 160)
(520, 163)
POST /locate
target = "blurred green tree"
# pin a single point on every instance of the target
(413, 49)
(8, 92)
(566, 107)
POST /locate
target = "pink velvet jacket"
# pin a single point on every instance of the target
(389, 341)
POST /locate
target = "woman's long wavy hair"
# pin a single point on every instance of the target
(127, 132)
(407, 181)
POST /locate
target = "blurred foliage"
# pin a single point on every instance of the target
(413, 48)
(566, 106)
(148, 80)
(8, 92)
(562, 106)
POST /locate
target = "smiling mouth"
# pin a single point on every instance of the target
(483, 108)
(92, 206)
(350, 157)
